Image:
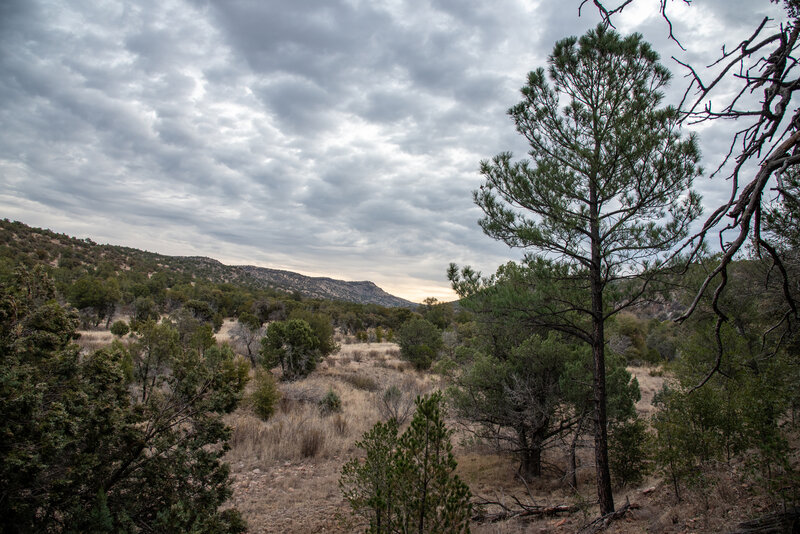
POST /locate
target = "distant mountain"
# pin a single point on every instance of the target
(45, 246)
(364, 292)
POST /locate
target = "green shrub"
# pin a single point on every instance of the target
(408, 483)
(628, 451)
(120, 328)
(266, 395)
(419, 342)
(122, 439)
(293, 345)
(330, 403)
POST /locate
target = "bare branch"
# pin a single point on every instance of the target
(764, 63)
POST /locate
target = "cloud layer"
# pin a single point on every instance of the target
(330, 137)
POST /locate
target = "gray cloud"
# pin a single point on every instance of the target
(333, 137)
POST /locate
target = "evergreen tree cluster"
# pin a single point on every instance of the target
(124, 439)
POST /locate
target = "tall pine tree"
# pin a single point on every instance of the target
(603, 198)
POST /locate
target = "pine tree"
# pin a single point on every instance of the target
(603, 198)
(408, 484)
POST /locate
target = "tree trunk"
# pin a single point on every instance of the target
(604, 493)
(531, 462)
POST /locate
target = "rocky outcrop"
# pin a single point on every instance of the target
(324, 288)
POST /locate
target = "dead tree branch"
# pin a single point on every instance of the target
(766, 148)
(603, 522)
(520, 510)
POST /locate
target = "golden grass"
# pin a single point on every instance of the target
(271, 460)
(92, 340)
(650, 383)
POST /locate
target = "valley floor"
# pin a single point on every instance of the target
(285, 471)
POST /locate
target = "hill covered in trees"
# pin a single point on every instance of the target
(30, 246)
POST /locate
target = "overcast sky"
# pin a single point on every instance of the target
(329, 137)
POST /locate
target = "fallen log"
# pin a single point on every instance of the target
(603, 522)
(786, 522)
(520, 510)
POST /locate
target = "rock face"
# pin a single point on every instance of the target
(324, 288)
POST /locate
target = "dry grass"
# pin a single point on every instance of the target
(284, 467)
(91, 340)
(285, 471)
(650, 383)
(224, 334)
(361, 381)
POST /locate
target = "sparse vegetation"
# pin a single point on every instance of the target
(311, 442)
(118, 432)
(396, 405)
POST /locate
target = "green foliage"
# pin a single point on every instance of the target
(293, 345)
(445, 366)
(330, 403)
(119, 328)
(265, 395)
(144, 309)
(517, 399)
(151, 285)
(200, 310)
(609, 140)
(524, 386)
(629, 450)
(408, 484)
(783, 219)
(369, 486)
(737, 413)
(322, 327)
(249, 320)
(686, 437)
(83, 447)
(663, 339)
(628, 336)
(419, 341)
(100, 296)
(100, 519)
(441, 314)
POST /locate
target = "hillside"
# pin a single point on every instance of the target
(44, 246)
(364, 292)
